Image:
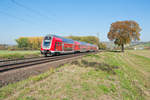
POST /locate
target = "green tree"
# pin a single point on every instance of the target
(123, 32)
(22, 42)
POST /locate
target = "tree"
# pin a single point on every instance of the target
(22, 42)
(123, 32)
(33, 43)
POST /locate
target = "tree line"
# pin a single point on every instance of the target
(29, 43)
(34, 43)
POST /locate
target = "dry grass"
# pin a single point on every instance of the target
(145, 53)
(5, 54)
(104, 76)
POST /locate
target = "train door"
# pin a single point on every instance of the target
(58, 46)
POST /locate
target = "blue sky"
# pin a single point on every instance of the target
(69, 17)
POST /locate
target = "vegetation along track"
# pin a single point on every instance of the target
(19, 63)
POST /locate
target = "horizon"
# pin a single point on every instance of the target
(28, 18)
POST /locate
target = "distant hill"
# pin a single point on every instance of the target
(139, 45)
(132, 45)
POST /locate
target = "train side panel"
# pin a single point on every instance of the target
(57, 45)
(76, 46)
(53, 44)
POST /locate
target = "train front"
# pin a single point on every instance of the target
(46, 45)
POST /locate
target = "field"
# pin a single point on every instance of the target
(103, 76)
(5, 54)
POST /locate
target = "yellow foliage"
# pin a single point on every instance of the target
(29, 42)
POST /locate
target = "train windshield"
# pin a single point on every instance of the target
(47, 41)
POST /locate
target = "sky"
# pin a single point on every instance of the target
(69, 17)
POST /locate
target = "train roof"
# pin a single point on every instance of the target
(84, 43)
(63, 39)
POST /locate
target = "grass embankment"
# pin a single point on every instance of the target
(5, 54)
(103, 76)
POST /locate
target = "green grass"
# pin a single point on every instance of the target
(17, 54)
(147, 44)
(106, 76)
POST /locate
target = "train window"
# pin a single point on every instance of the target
(47, 38)
(57, 43)
(46, 43)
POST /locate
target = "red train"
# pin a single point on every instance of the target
(56, 45)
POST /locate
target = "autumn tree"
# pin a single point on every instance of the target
(33, 43)
(123, 32)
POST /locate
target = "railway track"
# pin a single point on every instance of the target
(14, 61)
(8, 60)
(21, 63)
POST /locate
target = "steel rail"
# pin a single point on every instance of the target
(12, 66)
(18, 59)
